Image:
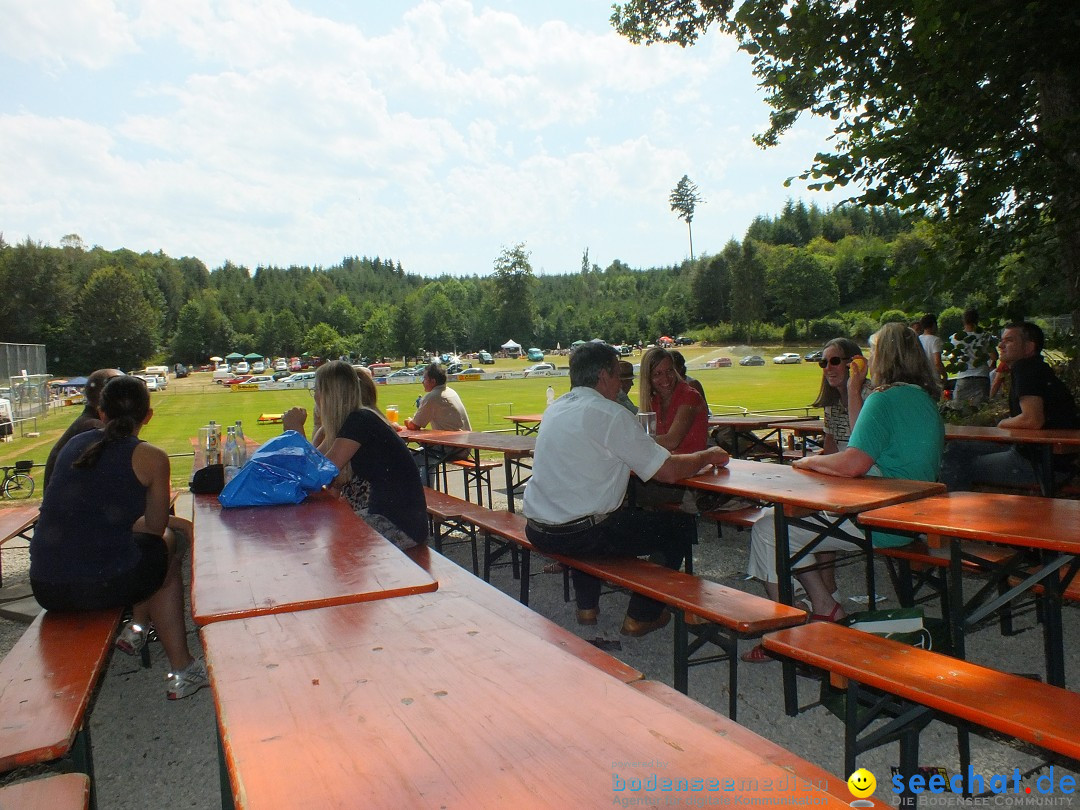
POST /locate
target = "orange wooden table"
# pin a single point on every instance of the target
(1048, 528)
(526, 424)
(1046, 442)
(16, 522)
(512, 446)
(806, 429)
(746, 427)
(436, 701)
(268, 559)
(820, 503)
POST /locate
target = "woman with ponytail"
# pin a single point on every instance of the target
(105, 538)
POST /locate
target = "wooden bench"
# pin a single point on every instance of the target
(924, 684)
(47, 684)
(65, 791)
(746, 739)
(476, 473)
(728, 613)
(16, 522)
(453, 579)
(445, 516)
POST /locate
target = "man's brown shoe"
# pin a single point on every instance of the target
(632, 627)
(587, 616)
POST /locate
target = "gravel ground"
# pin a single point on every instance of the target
(149, 752)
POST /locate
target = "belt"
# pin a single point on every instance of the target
(579, 525)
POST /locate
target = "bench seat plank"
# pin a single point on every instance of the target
(1035, 712)
(47, 681)
(65, 791)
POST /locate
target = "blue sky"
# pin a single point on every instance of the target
(436, 133)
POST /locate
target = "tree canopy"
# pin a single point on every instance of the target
(965, 110)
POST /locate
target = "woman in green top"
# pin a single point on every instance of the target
(899, 434)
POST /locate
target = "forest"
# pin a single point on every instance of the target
(802, 275)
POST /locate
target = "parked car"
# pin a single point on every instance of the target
(180, 370)
(222, 372)
(719, 362)
(625, 350)
(406, 374)
(150, 380)
(258, 367)
(243, 367)
(813, 357)
(457, 368)
(682, 340)
(486, 359)
(256, 379)
(787, 357)
(534, 355)
(235, 380)
(294, 364)
(752, 360)
(540, 370)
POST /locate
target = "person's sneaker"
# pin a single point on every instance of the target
(132, 638)
(187, 681)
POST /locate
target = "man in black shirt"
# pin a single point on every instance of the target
(1038, 400)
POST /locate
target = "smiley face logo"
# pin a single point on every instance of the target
(862, 784)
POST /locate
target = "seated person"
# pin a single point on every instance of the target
(626, 382)
(442, 408)
(89, 419)
(682, 418)
(377, 475)
(1038, 400)
(105, 537)
(680, 366)
(899, 434)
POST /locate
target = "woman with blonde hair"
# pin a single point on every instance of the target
(682, 417)
(377, 474)
(899, 434)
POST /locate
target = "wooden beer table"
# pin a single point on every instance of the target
(526, 424)
(821, 503)
(513, 447)
(1046, 529)
(1046, 442)
(249, 561)
(436, 701)
(748, 427)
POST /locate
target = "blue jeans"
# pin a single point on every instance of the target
(967, 463)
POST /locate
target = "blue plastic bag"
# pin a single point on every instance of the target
(284, 470)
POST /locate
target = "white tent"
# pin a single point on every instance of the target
(510, 345)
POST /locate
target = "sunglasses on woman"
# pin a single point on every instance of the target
(833, 361)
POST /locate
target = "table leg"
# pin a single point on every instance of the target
(1045, 470)
(956, 598)
(508, 472)
(1053, 636)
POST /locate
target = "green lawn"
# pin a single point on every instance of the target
(188, 404)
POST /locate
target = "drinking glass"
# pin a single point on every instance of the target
(392, 414)
(647, 420)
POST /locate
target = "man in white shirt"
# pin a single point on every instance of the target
(586, 448)
(931, 344)
(443, 409)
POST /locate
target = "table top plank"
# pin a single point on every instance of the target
(1018, 520)
(437, 702)
(792, 487)
(510, 443)
(253, 560)
(16, 520)
(752, 421)
(984, 433)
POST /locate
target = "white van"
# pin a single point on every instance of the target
(157, 371)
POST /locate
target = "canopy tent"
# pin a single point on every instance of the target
(76, 382)
(577, 343)
(234, 356)
(510, 344)
(253, 356)
(58, 383)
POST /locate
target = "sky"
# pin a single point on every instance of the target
(435, 133)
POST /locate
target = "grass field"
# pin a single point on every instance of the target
(191, 403)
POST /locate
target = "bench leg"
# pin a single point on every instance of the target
(82, 758)
(523, 593)
(227, 802)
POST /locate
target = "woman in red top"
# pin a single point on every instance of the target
(682, 418)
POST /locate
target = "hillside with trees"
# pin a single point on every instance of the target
(805, 274)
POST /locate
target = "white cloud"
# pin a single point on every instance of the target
(58, 35)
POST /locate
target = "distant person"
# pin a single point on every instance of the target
(931, 344)
(680, 366)
(626, 382)
(89, 419)
(442, 408)
(973, 382)
(105, 538)
(1038, 400)
(377, 475)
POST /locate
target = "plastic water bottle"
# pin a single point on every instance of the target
(241, 443)
(550, 395)
(232, 455)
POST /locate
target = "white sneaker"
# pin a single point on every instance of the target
(132, 638)
(187, 681)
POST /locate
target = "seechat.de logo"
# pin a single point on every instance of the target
(862, 785)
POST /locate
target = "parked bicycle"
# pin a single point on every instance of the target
(18, 483)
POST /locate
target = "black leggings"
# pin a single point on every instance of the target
(132, 586)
